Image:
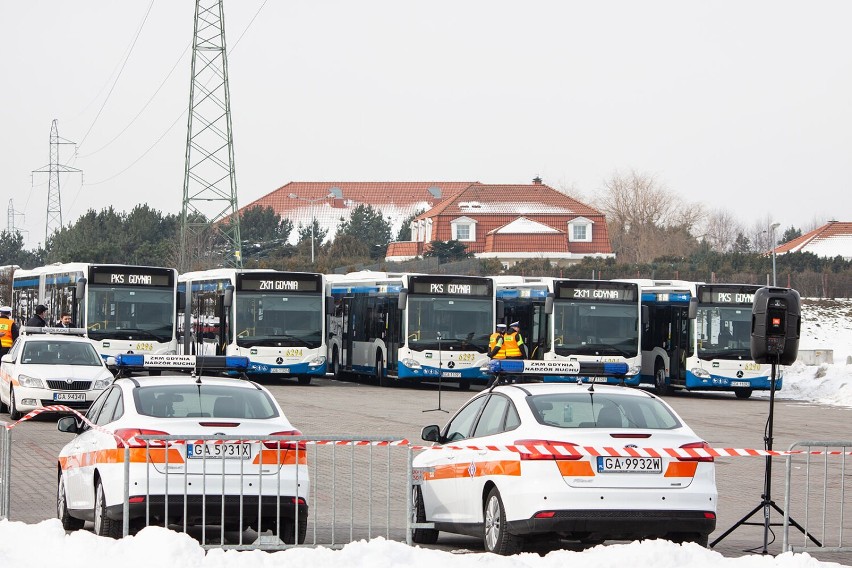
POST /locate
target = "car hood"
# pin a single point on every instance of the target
(76, 372)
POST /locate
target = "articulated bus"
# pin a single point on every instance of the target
(417, 327)
(698, 337)
(123, 308)
(276, 319)
(592, 321)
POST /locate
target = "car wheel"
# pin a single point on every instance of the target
(3, 406)
(14, 413)
(304, 379)
(104, 526)
(418, 515)
(381, 375)
(697, 538)
(743, 392)
(661, 386)
(464, 386)
(495, 533)
(69, 523)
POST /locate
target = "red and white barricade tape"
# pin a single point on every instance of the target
(563, 449)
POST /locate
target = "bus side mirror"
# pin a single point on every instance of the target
(228, 298)
(693, 308)
(548, 304)
(80, 290)
(646, 317)
(329, 305)
(403, 299)
(501, 310)
(181, 301)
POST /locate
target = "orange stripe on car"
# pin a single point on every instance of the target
(681, 469)
(283, 457)
(459, 470)
(571, 468)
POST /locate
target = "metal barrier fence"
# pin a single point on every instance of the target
(818, 475)
(5, 470)
(357, 488)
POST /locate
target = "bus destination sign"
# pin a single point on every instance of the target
(277, 283)
(728, 297)
(451, 287)
(125, 277)
(603, 292)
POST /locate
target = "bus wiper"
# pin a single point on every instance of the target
(128, 333)
(274, 341)
(605, 346)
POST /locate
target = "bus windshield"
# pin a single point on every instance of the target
(596, 328)
(276, 320)
(463, 323)
(723, 332)
(130, 312)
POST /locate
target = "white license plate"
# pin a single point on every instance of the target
(600, 379)
(69, 396)
(280, 370)
(451, 374)
(740, 384)
(219, 451)
(629, 465)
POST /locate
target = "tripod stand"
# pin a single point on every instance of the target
(766, 504)
(440, 377)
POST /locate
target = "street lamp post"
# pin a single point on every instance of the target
(772, 228)
(313, 217)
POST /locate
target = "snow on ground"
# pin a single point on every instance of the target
(826, 324)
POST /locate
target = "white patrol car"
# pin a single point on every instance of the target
(197, 450)
(511, 466)
(51, 366)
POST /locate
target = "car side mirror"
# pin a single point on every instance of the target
(68, 424)
(431, 433)
(8, 358)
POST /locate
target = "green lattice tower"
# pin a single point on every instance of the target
(210, 224)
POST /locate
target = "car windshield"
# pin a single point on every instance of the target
(203, 401)
(60, 353)
(590, 409)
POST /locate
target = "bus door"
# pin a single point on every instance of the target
(533, 320)
(679, 348)
(393, 331)
(348, 330)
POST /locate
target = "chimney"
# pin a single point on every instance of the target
(537, 180)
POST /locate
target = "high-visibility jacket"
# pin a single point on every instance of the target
(6, 338)
(512, 342)
(495, 340)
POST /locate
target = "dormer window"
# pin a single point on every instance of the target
(463, 229)
(580, 230)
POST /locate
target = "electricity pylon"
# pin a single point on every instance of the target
(210, 224)
(53, 169)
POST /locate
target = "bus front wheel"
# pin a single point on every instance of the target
(743, 392)
(661, 385)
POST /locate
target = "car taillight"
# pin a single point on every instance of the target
(548, 450)
(284, 444)
(129, 438)
(702, 445)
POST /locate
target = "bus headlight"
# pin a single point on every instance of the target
(30, 382)
(411, 363)
(633, 371)
(700, 373)
(317, 361)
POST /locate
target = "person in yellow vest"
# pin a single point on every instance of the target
(495, 343)
(513, 342)
(8, 330)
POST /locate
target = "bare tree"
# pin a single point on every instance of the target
(645, 219)
(720, 229)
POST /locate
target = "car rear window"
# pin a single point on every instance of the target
(203, 401)
(601, 410)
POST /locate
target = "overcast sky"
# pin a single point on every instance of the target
(737, 105)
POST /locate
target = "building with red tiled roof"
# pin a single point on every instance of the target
(327, 202)
(511, 223)
(831, 240)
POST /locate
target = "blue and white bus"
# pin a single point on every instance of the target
(276, 319)
(417, 327)
(698, 337)
(588, 321)
(123, 308)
